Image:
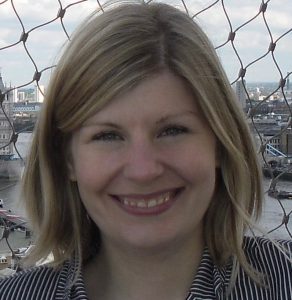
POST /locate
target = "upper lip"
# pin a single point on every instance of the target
(145, 196)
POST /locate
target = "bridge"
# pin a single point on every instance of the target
(13, 221)
(274, 152)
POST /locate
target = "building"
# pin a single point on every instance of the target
(241, 93)
(25, 115)
(273, 131)
(39, 92)
(30, 94)
(286, 141)
(25, 94)
(28, 109)
(6, 148)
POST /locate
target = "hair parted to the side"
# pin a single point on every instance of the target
(111, 53)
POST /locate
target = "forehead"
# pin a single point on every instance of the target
(160, 95)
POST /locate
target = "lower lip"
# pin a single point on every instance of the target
(149, 211)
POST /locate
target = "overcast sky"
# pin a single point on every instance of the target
(252, 41)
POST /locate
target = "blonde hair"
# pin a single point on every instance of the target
(111, 53)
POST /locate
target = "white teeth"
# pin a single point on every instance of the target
(166, 198)
(152, 203)
(161, 200)
(142, 203)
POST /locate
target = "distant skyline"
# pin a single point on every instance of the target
(251, 41)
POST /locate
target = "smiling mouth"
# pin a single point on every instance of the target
(142, 203)
(148, 201)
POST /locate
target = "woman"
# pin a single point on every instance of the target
(142, 178)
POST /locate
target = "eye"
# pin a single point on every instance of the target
(107, 136)
(173, 131)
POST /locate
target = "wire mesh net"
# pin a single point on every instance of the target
(252, 38)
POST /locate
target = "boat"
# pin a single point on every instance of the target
(14, 221)
(280, 195)
(4, 262)
(9, 263)
(283, 172)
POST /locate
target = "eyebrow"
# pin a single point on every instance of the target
(106, 124)
(162, 120)
(173, 116)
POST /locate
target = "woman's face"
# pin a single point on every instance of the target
(145, 166)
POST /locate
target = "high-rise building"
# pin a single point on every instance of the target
(241, 93)
(39, 93)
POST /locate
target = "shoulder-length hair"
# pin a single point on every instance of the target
(108, 55)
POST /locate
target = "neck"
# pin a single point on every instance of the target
(134, 274)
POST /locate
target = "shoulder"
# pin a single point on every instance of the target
(263, 252)
(41, 282)
(272, 260)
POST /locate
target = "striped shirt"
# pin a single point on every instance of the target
(210, 282)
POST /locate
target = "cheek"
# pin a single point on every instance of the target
(94, 171)
(197, 160)
(89, 174)
(202, 174)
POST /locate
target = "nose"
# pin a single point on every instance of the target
(143, 163)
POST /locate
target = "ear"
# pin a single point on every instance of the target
(69, 161)
(71, 170)
(70, 166)
(217, 165)
(218, 155)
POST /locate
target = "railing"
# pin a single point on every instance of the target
(250, 43)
